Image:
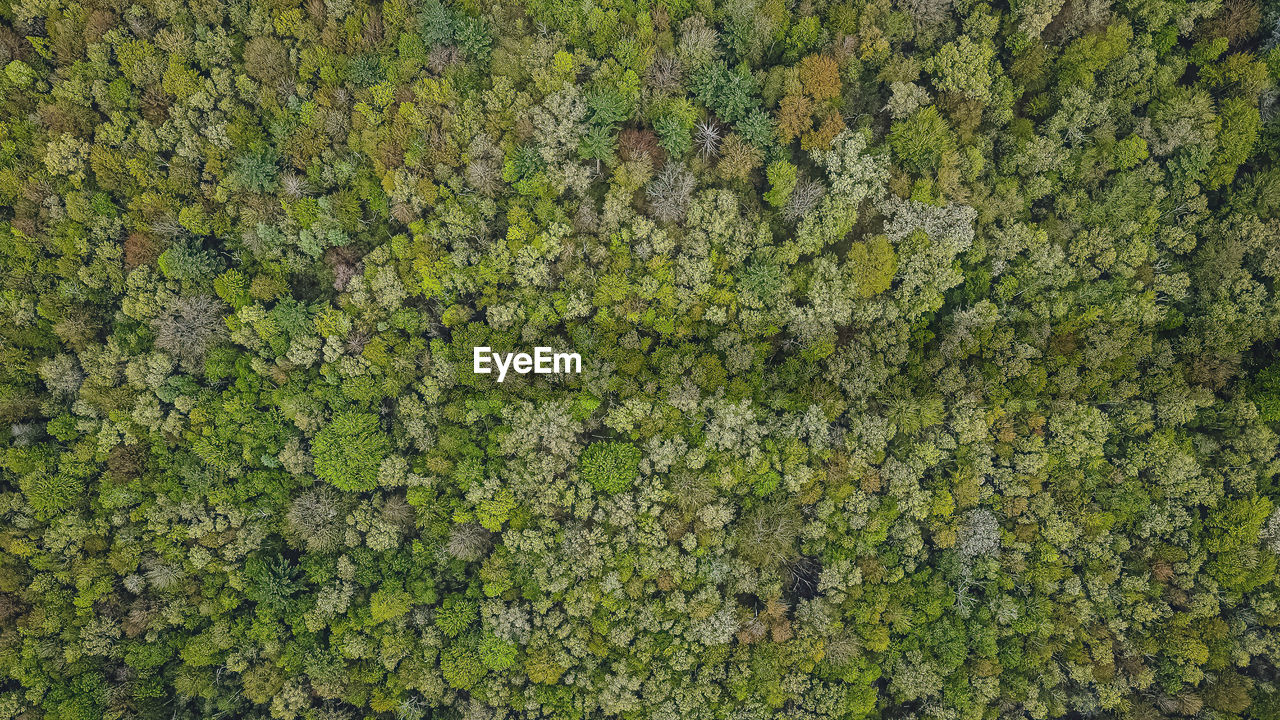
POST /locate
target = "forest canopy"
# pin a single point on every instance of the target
(930, 359)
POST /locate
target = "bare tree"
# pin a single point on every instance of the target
(315, 519)
(805, 197)
(469, 542)
(191, 326)
(706, 138)
(295, 186)
(664, 74)
(669, 193)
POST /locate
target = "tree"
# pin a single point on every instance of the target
(316, 520)
(804, 198)
(189, 327)
(782, 182)
(729, 92)
(609, 467)
(349, 450)
(469, 542)
(820, 77)
(707, 139)
(1236, 140)
(767, 535)
(598, 144)
(670, 192)
(963, 66)
(461, 666)
(923, 140)
(673, 122)
(265, 58)
(738, 158)
(455, 615)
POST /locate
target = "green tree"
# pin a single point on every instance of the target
(963, 66)
(349, 450)
(782, 181)
(610, 467)
(922, 140)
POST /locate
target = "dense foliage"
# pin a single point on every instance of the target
(929, 359)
